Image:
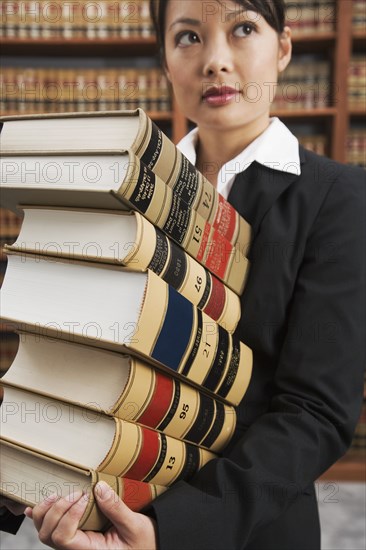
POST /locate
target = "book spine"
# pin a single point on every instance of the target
(203, 352)
(161, 156)
(147, 193)
(168, 330)
(154, 250)
(30, 490)
(168, 405)
(156, 458)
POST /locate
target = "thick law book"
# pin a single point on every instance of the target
(126, 238)
(121, 181)
(119, 309)
(122, 386)
(28, 477)
(126, 130)
(90, 438)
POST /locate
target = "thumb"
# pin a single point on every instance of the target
(113, 507)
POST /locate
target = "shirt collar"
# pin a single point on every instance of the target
(276, 148)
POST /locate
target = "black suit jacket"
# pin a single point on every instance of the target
(303, 314)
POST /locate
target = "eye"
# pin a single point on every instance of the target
(186, 38)
(244, 29)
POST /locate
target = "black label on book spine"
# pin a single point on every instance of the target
(161, 253)
(187, 182)
(154, 148)
(203, 421)
(217, 369)
(178, 220)
(177, 268)
(160, 461)
(144, 189)
(197, 340)
(191, 463)
(207, 291)
(173, 409)
(232, 370)
(218, 424)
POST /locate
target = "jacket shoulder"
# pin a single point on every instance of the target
(332, 169)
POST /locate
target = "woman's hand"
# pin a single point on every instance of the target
(57, 520)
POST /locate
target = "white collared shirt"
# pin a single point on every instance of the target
(276, 148)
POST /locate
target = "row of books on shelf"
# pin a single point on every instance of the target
(306, 84)
(139, 361)
(310, 17)
(131, 18)
(40, 90)
(359, 15)
(357, 82)
(356, 148)
(80, 19)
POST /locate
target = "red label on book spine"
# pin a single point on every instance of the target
(216, 302)
(225, 219)
(160, 401)
(149, 454)
(136, 494)
(204, 241)
(219, 254)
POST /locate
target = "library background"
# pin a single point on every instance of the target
(99, 55)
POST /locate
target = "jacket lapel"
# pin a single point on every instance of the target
(255, 190)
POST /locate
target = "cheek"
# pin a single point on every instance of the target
(179, 79)
(263, 74)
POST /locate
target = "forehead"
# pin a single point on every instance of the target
(205, 10)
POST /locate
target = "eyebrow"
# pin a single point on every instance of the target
(186, 21)
(196, 22)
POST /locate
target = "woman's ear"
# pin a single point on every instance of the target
(285, 49)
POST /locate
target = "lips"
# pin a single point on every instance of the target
(220, 95)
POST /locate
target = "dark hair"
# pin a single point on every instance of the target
(273, 12)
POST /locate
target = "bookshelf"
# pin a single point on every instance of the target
(337, 37)
(337, 46)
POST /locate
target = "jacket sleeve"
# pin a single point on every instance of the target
(10, 523)
(316, 404)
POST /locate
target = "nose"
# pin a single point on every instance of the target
(217, 58)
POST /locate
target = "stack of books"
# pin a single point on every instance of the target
(124, 286)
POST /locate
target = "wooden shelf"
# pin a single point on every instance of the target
(309, 43)
(326, 112)
(79, 47)
(157, 116)
(357, 112)
(359, 39)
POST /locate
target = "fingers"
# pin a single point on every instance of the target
(134, 530)
(57, 519)
(112, 506)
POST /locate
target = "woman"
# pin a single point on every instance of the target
(303, 309)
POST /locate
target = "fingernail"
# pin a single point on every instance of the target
(103, 490)
(83, 501)
(73, 497)
(28, 512)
